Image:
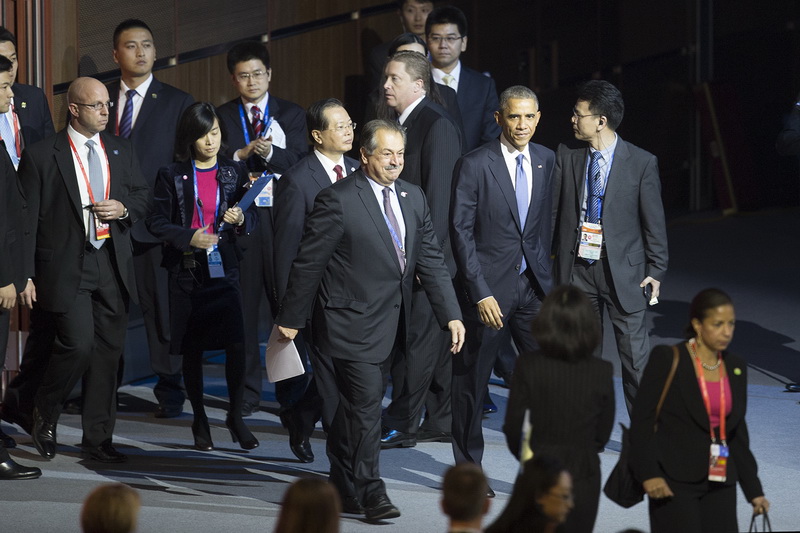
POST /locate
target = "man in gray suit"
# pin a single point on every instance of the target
(610, 235)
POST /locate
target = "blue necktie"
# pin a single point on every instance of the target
(8, 138)
(595, 188)
(96, 183)
(521, 187)
(126, 121)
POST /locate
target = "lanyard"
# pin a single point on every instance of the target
(587, 187)
(707, 400)
(245, 129)
(199, 203)
(395, 236)
(83, 170)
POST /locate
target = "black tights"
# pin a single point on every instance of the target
(234, 376)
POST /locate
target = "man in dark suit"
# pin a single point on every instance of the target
(270, 134)
(501, 216)
(147, 112)
(446, 33)
(331, 132)
(29, 120)
(620, 202)
(433, 146)
(366, 240)
(84, 191)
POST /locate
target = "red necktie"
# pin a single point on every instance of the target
(339, 173)
(258, 124)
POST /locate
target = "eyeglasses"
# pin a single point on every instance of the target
(577, 115)
(98, 106)
(341, 128)
(449, 39)
(257, 75)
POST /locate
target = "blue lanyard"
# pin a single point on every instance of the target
(199, 203)
(246, 130)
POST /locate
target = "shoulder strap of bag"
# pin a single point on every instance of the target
(667, 384)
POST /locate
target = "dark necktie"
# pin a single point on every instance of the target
(96, 183)
(521, 186)
(595, 189)
(395, 226)
(126, 121)
(339, 174)
(258, 124)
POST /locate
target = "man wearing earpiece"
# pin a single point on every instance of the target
(610, 236)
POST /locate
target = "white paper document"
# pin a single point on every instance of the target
(283, 360)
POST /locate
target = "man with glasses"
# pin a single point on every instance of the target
(84, 191)
(446, 33)
(610, 237)
(331, 132)
(269, 133)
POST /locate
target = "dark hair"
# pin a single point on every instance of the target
(447, 15)
(245, 51)
(111, 508)
(6, 65)
(315, 116)
(567, 327)
(7, 36)
(523, 513)
(516, 92)
(401, 3)
(196, 121)
(603, 99)
(310, 505)
(464, 492)
(369, 141)
(702, 303)
(129, 24)
(406, 38)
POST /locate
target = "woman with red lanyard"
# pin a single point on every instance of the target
(700, 448)
(192, 199)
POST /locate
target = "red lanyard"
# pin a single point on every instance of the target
(15, 127)
(85, 176)
(707, 400)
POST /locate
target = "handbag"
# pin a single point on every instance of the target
(621, 487)
(765, 525)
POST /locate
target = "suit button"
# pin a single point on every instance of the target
(27, 233)
(572, 252)
(80, 255)
(396, 306)
(516, 267)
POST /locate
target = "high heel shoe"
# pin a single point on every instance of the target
(240, 433)
(202, 435)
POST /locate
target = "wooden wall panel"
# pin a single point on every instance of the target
(64, 41)
(291, 13)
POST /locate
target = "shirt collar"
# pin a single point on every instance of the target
(404, 115)
(141, 90)
(78, 139)
(608, 151)
(509, 151)
(439, 74)
(328, 163)
(262, 104)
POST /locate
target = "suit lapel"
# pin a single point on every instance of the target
(148, 105)
(350, 165)
(617, 174)
(535, 210)
(113, 95)
(318, 172)
(373, 209)
(66, 167)
(409, 219)
(113, 155)
(579, 176)
(499, 170)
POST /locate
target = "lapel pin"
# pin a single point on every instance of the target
(116, 152)
(737, 371)
(185, 177)
(153, 95)
(403, 194)
(538, 166)
(23, 105)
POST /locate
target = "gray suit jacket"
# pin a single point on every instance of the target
(634, 230)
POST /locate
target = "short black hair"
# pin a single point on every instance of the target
(7, 36)
(447, 15)
(315, 115)
(603, 99)
(245, 51)
(406, 38)
(702, 303)
(196, 121)
(6, 65)
(129, 24)
(402, 3)
(567, 326)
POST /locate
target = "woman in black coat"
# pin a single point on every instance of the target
(569, 395)
(673, 462)
(192, 199)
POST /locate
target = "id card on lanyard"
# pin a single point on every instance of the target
(215, 268)
(102, 229)
(718, 452)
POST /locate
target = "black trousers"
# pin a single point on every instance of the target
(472, 367)
(705, 507)
(89, 341)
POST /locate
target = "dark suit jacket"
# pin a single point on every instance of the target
(477, 98)
(348, 270)
(33, 111)
(432, 148)
(11, 226)
(153, 134)
(487, 240)
(571, 409)
(292, 119)
(679, 450)
(294, 199)
(50, 187)
(634, 230)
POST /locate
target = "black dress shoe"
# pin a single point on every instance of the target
(489, 407)
(44, 436)
(489, 492)
(168, 411)
(391, 438)
(350, 505)
(432, 435)
(14, 416)
(6, 441)
(249, 408)
(9, 470)
(302, 451)
(381, 508)
(105, 453)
